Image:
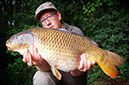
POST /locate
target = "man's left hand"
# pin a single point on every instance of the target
(84, 65)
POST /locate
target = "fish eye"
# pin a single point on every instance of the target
(16, 38)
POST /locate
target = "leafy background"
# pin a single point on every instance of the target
(105, 21)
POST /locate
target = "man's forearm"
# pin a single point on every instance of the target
(76, 73)
(44, 67)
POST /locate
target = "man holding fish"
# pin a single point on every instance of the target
(50, 18)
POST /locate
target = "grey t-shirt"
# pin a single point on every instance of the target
(72, 29)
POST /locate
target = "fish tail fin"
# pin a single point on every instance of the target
(109, 62)
(108, 68)
(115, 58)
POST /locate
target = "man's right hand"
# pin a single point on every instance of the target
(37, 59)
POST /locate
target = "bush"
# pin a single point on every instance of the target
(111, 33)
(20, 73)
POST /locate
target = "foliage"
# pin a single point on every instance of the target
(110, 30)
(109, 27)
(93, 6)
(104, 21)
(111, 33)
(21, 73)
(94, 9)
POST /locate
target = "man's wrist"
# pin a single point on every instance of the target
(42, 69)
(76, 73)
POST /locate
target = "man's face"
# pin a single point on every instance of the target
(50, 19)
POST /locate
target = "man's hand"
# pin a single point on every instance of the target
(84, 65)
(37, 60)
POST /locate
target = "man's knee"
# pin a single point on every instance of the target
(44, 78)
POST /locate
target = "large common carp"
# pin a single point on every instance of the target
(62, 48)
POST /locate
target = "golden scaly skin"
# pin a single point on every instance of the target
(61, 49)
(57, 48)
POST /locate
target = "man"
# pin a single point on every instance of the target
(49, 17)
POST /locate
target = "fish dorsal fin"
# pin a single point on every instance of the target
(55, 72)
(61, 29)
(116, 59)
(65, 31)
(91, 41)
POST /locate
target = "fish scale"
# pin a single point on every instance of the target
(61, 49)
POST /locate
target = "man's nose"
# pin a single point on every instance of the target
(48, 22)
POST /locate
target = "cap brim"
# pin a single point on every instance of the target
(37, 16)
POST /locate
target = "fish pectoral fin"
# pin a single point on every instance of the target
(115, 59)
(55, 72)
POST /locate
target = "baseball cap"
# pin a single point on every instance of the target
(44, 6)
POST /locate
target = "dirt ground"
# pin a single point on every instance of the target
(111, 82)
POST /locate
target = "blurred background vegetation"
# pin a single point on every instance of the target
(105, 21)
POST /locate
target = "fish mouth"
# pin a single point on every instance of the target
(9, 48)
(8, 45)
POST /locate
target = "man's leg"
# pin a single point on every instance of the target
(45, 78)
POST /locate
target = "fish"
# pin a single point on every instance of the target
(61, 49)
